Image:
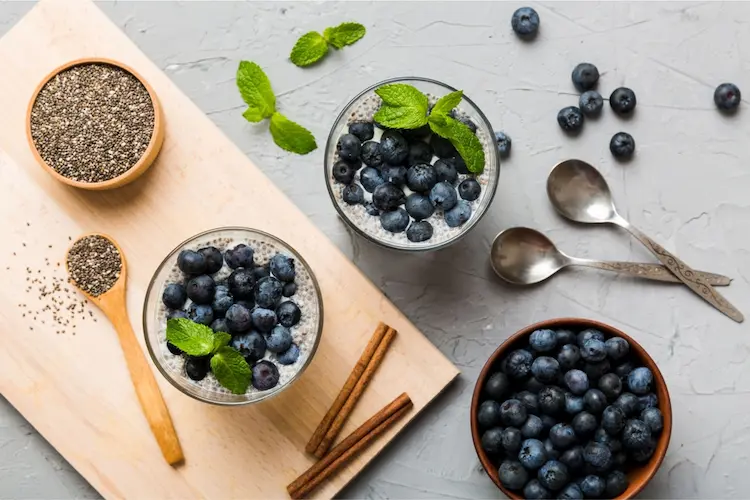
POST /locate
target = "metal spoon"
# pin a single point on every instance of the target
(523, 256)
(579, 192)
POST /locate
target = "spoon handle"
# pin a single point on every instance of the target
(684, 273)
(655, 272)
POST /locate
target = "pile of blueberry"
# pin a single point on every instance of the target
(568, 415)
(252, 305)
(406, 187)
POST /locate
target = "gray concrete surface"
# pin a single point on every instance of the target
(687, 188)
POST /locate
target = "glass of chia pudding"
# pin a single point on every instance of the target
(408, 189)
(245, 297)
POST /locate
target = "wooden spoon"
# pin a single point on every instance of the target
(114, 305)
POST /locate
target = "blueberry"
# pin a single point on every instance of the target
(419, 206)
(589, 333)
(591, 103)
(349, 147)
(548, 421)
(622, 145)
(371, 209)
(488, 414)
(421, 178)
(596, 370)
(442, 147)
(512, 440)
(214, 259)
(201, 289)
(611, 385)
(619, 459)
(419, 231)
(413, 134)
(247, 304)
(533, 427)
(545, 369)
(593, 351)
(532, 454)
(174, 296)
(282, 267)
(543, 340)
(513, 413)
(550, 450)
(492, 440)
(518, 363)
(565, 336)
(525, 22)
(553, 475)
(279, 339)
(639, 380)
(268, 292)
(446, 171)
(529, 400)
(603, 437)
(353, 194)
(221, 304)
(622, 101)
(503, 142)
(585, 76)
(459, 164)
(344, 172)
(220, 325)
(617, 483)
(573, 458)
(191, 262)
(497, 386)
(388, 196)
(727, 96)
(288, 313)
(570, 119)
(419, 152)
(571, 492)
(289, 289)
(364, 131)
(394, 221)
(551, 400)
(598, 455)
(371, 155)
(459, 214)
(241, 283)
(593, 486)
(628, 403)
(535, 491)
(512, 475)
(290, 356)
(653, 418)
(393, 174)
(573, 404)
(635, 434)
(239, 256)
(584, 424)
(238, 318)
(623, 370)
(568, 356)
(201, 313)
(646, 452)
(469, 189)
(533, 385)
(370, 179)
(562, 436)
(577, 381)
(613, 420)
(177, 315)
(261, 271)
(648, 401)
(263, 319)
(595, 401)
(394, 148)
(174, 349)
(265, 375)
(197, 368)
(251, 345)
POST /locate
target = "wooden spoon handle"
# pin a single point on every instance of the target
(148, 392)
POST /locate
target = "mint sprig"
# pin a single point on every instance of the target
(312, 46)
(227, 364)
(403, 106)
(463, 139)
(256, 91)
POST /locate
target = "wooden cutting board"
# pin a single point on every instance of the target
(74, 388)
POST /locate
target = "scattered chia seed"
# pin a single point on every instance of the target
(92, 122)
(94, 264)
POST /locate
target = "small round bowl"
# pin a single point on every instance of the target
(308, 297)
(638, 477)
(372, 231)
(149, 156)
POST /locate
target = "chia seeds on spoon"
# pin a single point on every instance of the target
(94, 264)
(92, 122)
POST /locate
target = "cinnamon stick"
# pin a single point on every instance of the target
(349, 447)
(340, 418)
(354, 377)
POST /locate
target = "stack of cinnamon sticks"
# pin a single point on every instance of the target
(334, 420)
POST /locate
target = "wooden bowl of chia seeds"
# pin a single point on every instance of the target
(95, 124)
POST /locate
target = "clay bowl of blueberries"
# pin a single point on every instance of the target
(571, 408)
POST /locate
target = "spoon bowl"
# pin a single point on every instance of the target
(579, 192)
(523, 256)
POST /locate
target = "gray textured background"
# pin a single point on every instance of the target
(687, 188)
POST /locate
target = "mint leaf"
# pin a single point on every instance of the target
(290, 136)
(310, 48)
(344, 34)
(403, 106)
(231, 370)
(193, 338)
(400, 117)
(256, 91)
(401, 94)
(446, 103)
(463, 139)
(221, 339)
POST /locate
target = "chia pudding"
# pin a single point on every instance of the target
(299, 288)
(355, 199)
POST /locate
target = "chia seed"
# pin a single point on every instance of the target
(92, 122)
(94, 264)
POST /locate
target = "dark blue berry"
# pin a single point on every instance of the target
(344, 172)
(628, 403)
(532, 454)
(545, 369)
(551, 400)
(598, 455)
(261, 271)
(349, 147)
(613, 420)
(388, 196)
(290, 356)
(639, 380)
(370, 179)
(568, 356)
(553, 475)
(288, 313)
(497, 386)
(533, 427)
(174, 296)
(571, 492)
(469, 189)
(525, 22)
(201, 313)
(492, 440)
(622, 101)
(585, 76)
(177, 315)
(577, 381)
(727, 96)
(617, 348)
(201, 289)
(530, 401)
(191, 262)
(593, 486)
(197, 368)
(214, 259)
(550, 450)
(573, 404)
(596, 370)
(414, 134)
(241, 283)
(513, 413)
(573, 458)
(512, 440)
(595, 401)
(636, 434)
(653, 418)
(591, 103)
(239, 256)
(459, 214)
(421, 178)
(548, 421)
(370, 153)
(394, 221)
(442, 147)
(282, 267)
(646, 452)
(648, 401)
(251, 345)
(265, 375)
(584, 424)
(459, 164)
(562, 436)
(393, 174)
(279, 339)
(268, 292)
(174, 349)
(617, 483)
(533, 385)
(221, 304)
(543, 340)
(446, 171)
(518, 363)
(512, 475)
(289, 289)
(623, 370)
(589, 333)
(488, 414)
(603, 437)
(611, 385)
(419, 206)
(238, 318)
(419, 231)
(593, 351)
(220, 325)
(622, 145)
(364, 131)
(419, 152)
(570, 119)
(394, 148)
(504, 143)
(443, 195)
(535, 491)
(263, 319)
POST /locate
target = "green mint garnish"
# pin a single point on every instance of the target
(256, 91)
(403, 106)
(221, 339)
(446, 103)
(192, 338)
(312, 46)
(463, 139)
(231, 370)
